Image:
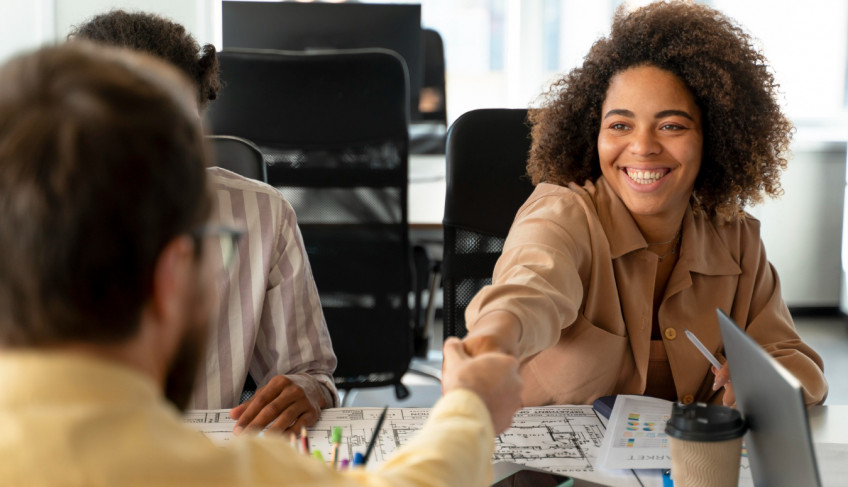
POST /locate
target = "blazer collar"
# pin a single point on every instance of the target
(703, 250)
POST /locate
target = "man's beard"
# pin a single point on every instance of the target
(180, 378)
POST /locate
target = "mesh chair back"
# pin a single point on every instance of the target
(238, 155)
(333, 126)
(486, 184)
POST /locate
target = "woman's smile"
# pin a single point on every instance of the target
(645, 177)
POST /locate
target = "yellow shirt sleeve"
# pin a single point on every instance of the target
(454, 448)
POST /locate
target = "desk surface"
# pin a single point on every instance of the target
(427, 185)
(829, 424)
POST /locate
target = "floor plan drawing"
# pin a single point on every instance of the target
(562, 439)
(559, 439)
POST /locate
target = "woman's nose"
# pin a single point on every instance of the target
(644, 143)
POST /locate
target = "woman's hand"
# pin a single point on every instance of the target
(722, 379)
(492, 376)
(498, 331)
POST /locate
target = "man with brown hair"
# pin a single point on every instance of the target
(106, 287)
(271, 324)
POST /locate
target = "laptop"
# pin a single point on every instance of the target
(780, 448)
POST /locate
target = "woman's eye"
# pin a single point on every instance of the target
(618, 126)
(671, 126)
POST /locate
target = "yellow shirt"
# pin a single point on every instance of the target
(68, 420)
(577, 274)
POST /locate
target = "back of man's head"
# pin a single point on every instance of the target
(159, 37)
(101, 165)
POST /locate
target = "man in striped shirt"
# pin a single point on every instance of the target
(270, 322)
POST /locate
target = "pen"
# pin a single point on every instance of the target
(336, 440)
(375, 435)
(700, 346)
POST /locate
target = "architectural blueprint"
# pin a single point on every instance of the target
(562, 439)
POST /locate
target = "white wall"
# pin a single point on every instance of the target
(24, 25)
(805, 42)
(195, 15)
(27, 24)
(802, 230)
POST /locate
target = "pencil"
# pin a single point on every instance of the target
(375, 435)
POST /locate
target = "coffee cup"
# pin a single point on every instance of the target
(706, 444)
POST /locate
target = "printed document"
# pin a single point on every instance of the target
(635, 436)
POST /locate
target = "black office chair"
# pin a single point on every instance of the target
(430, 123)
(238, 155)
(333, 126)
(433, 83)
(486, 184)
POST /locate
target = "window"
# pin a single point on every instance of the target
(504, 53)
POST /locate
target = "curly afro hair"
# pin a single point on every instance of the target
(746, 136)
(160, 37)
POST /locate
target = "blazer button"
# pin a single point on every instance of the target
(687, 399)
(670, 333)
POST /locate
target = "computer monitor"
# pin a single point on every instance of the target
(316, 25)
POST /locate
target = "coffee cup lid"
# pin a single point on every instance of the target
(705, 422)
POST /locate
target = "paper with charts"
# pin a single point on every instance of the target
(562, 439)
(636, 434)
(636, 437)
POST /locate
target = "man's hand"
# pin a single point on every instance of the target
(497, 331)
(281, 401)
(722, 379)
(492, 376)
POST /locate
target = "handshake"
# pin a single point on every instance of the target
(493, 376)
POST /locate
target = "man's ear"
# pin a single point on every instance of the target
(172, 277)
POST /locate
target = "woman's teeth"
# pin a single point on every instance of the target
(646, 176)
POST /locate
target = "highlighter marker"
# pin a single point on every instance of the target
(304, 441)
(336, 439)
(667, 480)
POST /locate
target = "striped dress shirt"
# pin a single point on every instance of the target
(270, 320)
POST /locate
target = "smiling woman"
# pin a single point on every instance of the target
(649, 147)
(644, 159)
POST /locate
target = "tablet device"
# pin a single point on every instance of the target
(780, 448)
